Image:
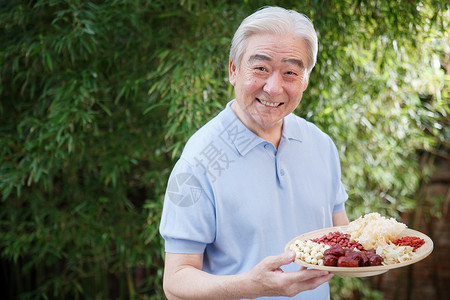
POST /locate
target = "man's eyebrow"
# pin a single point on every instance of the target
(259, 57)
(294, 61)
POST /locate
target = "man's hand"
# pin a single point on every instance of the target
(269, 280)
(184, 279)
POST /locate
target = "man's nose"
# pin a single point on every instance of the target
(274, 84)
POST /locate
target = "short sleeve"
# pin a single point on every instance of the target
(341, 194)
(341, 197)
(188, 216)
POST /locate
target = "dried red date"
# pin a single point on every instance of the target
(375, 260)
(335, 250)
(370, 252)
(340, 257)
(355, 255)
(346, 261)
(364, 260)
(330, 260)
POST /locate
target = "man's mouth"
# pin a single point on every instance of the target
(271, 104)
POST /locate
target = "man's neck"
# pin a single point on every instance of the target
(269, 132)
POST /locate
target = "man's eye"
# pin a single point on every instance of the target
(291, 73)
(260, 68)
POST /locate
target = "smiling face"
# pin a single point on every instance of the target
(269, 81)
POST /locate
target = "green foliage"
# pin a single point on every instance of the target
(99, 97)
(366, 93)
(349, 288)
(81, 174)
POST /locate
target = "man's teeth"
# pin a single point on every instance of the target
(272, 104)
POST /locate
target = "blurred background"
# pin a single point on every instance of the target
(97, 99)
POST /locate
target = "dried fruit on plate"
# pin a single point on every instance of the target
(412, 241)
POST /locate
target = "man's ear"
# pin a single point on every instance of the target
(305, 82)
(232, 69)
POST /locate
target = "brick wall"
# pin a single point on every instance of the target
(428, 279)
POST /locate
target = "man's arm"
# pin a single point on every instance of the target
(340, 218)
(184, 279)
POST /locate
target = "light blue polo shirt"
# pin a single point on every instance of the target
(236, 198)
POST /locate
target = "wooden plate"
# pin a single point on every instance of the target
(420, 254)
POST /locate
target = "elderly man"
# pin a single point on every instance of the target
(255, 176)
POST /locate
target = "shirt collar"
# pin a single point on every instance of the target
(245, 140)
(291, 128)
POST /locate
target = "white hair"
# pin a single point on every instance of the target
(275, 20)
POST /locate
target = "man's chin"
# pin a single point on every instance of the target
(268, 123)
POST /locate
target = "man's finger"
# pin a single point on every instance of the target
(303, 275)
(280, 260)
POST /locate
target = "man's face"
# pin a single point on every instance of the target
(270, 80)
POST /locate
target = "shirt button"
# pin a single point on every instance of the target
(282, 172)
